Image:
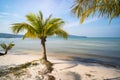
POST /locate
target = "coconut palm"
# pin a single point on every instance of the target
(6, 47)
(103, 8)
(40, 28)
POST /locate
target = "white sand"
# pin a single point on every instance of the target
(86, 71)
(66, 70)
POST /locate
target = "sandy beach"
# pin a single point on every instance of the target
(60, 40)
(64, 68)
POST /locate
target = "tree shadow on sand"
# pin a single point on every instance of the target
(117, 78)
(71, 66)
(76, 75)
(91, 60)
(68, 76)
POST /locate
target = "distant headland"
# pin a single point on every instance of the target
(7, 35)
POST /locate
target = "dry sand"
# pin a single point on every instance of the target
(66, 69)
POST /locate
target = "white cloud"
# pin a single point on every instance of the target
(77, 23)
(7, 14)
(91, 20)
(72, 24)
(55, 7)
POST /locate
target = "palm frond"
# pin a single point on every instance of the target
(47, 20)
(30, 34)
(55, 24)
(33, 19)
(7, 46)
(104, 8)
(3, 45)
(19, 27)
(54, 20)
(40, 15)
(61, 33)
(10, 45)
(39, 27)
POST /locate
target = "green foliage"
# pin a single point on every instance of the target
(19, 73)
(7, 46)
(40, 28)
(18, 69)
(37, 27)
(104, 8)
(3, 45)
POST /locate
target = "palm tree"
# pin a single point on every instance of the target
(40, 28)
(103, 8)
(6, 47)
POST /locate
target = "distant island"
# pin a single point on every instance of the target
(75, 36)
(7, 35)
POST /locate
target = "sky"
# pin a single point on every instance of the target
(14, 11)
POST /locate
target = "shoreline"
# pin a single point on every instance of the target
(97, 59)
(64, 67)
(88, 59)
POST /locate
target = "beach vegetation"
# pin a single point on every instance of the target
(38, 27)
(103, 8)
(18, 69)
(6, 47)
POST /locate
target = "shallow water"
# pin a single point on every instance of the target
(99, 48)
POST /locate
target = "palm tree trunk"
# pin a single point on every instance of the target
(44, 49)
(1, 54)
(6, 51)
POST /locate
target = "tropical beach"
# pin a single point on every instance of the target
(66, 65)
(63, 69)
(60, 40)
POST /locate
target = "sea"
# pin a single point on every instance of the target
(87, 49)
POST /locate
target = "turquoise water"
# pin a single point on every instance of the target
(94, 47)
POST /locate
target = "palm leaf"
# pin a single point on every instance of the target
(39, 27)
(3, 45)
(10, 45)
(61, 33)
(33, 19)
(104, 8)
(7, 46)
